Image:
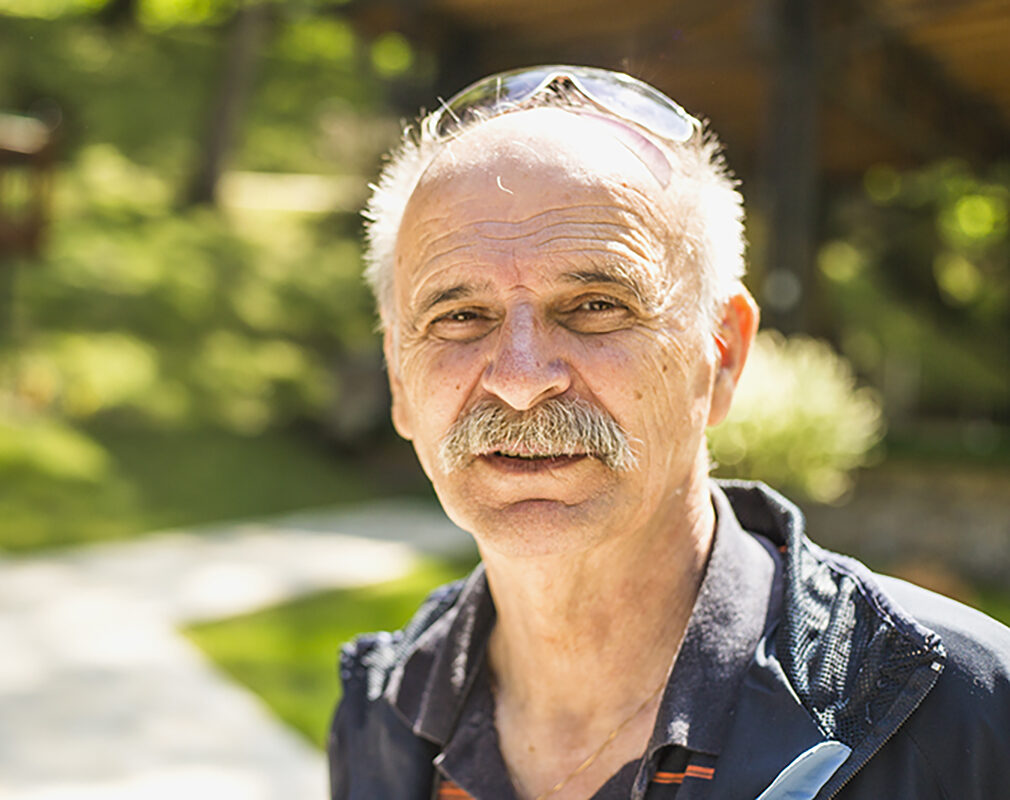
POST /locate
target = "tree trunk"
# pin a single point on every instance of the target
(245, 36)
(791, 164)
(119, 14)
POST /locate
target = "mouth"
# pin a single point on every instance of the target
(530, 462)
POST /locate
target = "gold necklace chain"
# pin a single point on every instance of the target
(557, 787)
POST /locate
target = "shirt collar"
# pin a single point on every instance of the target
(736, 603)
(430, 685)
(732, 610)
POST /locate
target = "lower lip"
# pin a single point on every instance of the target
(527, 465)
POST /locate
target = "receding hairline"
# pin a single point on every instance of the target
(544, 138)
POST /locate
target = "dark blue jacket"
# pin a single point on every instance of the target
(868, 687)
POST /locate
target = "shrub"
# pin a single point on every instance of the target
(798, 420)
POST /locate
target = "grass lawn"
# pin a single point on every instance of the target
(288, 654)
(160, 479)
(183, 478)
(996, 603)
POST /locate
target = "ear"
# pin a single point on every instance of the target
(401, 419)
(733, 339)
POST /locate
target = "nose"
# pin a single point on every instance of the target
(525, 367)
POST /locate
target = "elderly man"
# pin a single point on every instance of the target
(557, 255)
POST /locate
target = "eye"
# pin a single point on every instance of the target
(461, 316)
(597, 314)
(598, 304)
(461, 324)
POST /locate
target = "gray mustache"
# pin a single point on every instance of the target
(562, 426)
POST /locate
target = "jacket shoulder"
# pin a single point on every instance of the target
(962, 728)
(372, 751)
(368, 660)
(977, 647)
(974, 641)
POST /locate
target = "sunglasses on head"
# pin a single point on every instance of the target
(613, 93)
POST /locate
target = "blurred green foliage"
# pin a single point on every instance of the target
(174, 328)
(798, 419)
(916, 278)
(145, 91)
(288, 654)
(182, 318)
(58, 484)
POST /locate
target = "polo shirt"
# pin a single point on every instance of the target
(444, 689)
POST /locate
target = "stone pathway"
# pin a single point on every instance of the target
(100, 697)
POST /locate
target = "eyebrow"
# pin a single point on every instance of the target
(438, 296)
(609, 275)
(603, 274)
(432, 299)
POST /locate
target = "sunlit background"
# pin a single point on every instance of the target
(193, 414)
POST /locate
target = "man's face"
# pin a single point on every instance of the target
(540, 260)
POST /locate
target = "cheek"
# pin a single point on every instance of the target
(653, 383)
(639, 364)
(439, 379)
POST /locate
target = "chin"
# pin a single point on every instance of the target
(530, 528)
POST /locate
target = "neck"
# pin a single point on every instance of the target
(578, 633)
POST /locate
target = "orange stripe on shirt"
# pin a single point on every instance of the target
(450, 791)
(695, 771)
(692, 771)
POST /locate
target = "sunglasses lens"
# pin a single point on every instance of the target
(641, 104)
(488, 97)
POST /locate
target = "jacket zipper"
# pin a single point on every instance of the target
(937, 667)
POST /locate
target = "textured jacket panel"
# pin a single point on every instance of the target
(849, 653)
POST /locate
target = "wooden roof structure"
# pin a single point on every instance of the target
(801, 92)
(896, 81)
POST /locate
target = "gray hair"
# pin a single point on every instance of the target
(709, 205)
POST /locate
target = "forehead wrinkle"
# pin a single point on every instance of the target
(465, 254)
(640, 246)
(581, 235)
(606, 207)
(565, 223)
(486, 228)
(619, 257)
(638, 239)
(615, 263)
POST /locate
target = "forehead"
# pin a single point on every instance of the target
(543, 184)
